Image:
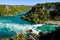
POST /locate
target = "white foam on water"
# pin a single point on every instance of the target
(37, 25)
(20, 27)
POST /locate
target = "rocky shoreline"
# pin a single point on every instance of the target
(53, 22)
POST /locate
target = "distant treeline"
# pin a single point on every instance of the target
(9, 10)
(43, 12)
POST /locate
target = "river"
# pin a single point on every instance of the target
(10, 25)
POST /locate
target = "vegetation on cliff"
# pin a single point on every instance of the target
(43, 12)
(10, 10)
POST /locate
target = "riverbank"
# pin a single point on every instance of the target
(43, 12)
(53, 22)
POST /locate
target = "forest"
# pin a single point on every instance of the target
(43, 12)
(11, 10)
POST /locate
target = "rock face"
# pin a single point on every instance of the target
(43, 12)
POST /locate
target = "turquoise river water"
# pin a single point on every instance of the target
(10, 25)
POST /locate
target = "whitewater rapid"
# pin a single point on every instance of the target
(19, 27)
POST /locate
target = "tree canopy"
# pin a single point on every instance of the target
(43, 12)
